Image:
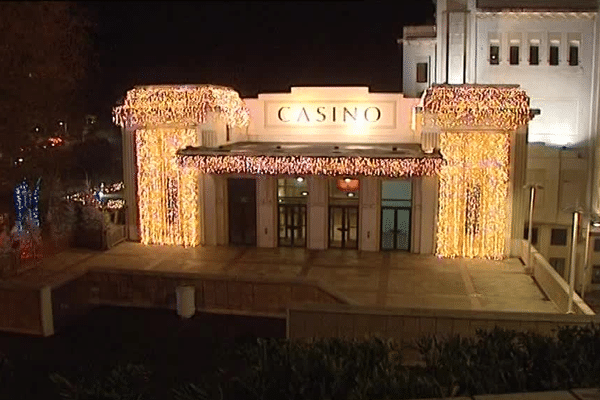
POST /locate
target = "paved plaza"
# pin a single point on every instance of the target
(388, 279)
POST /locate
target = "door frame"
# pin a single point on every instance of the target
(343, 206)
(396, 208)
(303, 207)
(228, 205)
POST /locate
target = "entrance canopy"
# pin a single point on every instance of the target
(273, 158)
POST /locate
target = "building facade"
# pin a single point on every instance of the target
(327, 167)
(548, 48)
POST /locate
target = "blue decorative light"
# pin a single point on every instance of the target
(27, 205)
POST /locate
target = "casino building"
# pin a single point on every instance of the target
(327, 167)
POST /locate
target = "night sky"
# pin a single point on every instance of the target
(253, 47)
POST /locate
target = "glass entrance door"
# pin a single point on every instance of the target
(292, 197)
(242, 211)
(343, 226)
(395, 228)
(292, 225)
(396, 206)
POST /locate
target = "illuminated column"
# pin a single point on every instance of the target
(130, 182)
(214, 210)
(222, 207)
(369, 200)
(317, 210)
(266, 211)
(209, 210)
(429, 206)
(517, 195)
(441, 48)
(457, 22)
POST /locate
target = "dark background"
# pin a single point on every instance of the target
(255, 47)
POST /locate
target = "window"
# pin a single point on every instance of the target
(534, 234)
(495, 53)
(558, 237)
(534, 53)
(596, 245)
(514, 54)
(554, 52)
(596, 274)
(558, 264)
(422, 72)
(227, 133)
(573, 54)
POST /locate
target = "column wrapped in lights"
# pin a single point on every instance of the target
(472, 213)
(167, 195)
(476, 124)
(181, 105)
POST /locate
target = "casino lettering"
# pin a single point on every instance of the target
(324, 114)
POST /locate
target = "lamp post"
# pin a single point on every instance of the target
(63, 124)
(576, 213)
(532, 189)
(594, 220)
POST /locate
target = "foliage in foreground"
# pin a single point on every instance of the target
(497, 361)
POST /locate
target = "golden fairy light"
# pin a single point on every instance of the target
(167, 195)
(472, 213)
(500, 107)
(307, 165)
(473, 191)
(181, 105)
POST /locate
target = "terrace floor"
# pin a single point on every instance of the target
(388, 279)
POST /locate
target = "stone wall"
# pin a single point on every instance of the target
(336, 320)
(20, 310)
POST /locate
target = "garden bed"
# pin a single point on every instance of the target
(115, 353)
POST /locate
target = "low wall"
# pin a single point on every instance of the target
(26, 310)
(551, 283)
(220, 293)
(345, 321)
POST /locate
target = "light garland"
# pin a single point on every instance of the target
(306, 165)
(167, 195)
(473, 195)
(182, 105)
(28, 219)
(504, 108)
(90, 197)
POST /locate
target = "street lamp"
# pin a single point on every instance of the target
(532, 188)
(594, 221)
(64, 126)
(577, 212)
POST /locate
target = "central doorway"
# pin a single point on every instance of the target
(343, 226)
(343, 212)
(292, 196)
(242, 211)
(396, 207)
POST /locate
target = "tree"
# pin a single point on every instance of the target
(45, 52)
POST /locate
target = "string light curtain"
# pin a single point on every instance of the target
(472, 213)
(306, 165)
(476, 124)
(181, 105)
(167, 195)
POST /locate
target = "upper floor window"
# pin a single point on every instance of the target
(558, 237)
(422, 72)
(534, 234)
(574, 53)
(534, 52)
(514, 54)
(494, 53)
(554, 52)
(597, 245)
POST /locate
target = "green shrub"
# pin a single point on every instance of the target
(129, 382)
